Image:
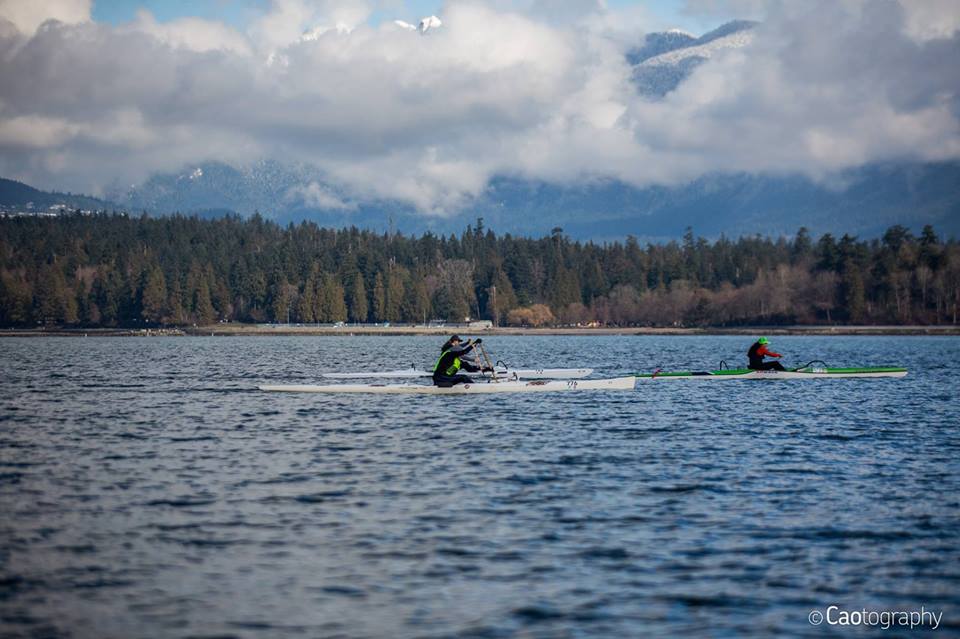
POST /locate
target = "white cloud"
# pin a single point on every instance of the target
(194, 34)
(36, 132)
(317, 195)
(385, 113)
(27, 15)
(291, 20)
(930, 19)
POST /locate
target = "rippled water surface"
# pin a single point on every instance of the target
(148, 490)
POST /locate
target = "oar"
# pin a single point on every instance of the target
(486, 358)
(473, 358)
(809, 364)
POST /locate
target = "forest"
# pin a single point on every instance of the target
(110, 270)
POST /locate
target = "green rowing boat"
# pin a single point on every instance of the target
(805, 372)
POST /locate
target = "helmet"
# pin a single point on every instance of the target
(449, 342)
(763, 340)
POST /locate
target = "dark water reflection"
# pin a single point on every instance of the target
(148, 490)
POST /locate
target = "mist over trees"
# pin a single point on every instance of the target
(113, 270)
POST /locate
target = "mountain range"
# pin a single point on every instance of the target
(871, 200)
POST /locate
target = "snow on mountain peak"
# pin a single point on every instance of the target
(404, 25)
(341, 28)
(430, 22)
(666, 58)
(733, 41)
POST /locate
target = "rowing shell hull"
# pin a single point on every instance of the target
(536, 386)
(508, 373)
(745, 373)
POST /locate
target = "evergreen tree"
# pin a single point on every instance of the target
(155, 301)
(852, 292)
(309, 302)
(281, 300)
(334, 308)
(358, 300)
(501, 299)
(176, 313)
(89, 311)
(394, 295)
(15, 301)
(450, 304)
(828, 255)
(802, 246)
(416, 302)
(379, 299)
(203, 310)
(106, 295)
(565, 289)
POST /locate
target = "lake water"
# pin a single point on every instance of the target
(148, 490)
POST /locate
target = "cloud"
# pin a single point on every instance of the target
(28, 15)
(931, 19)
(294, 20)
(318, 196)
(35, 132)
(194, 34)
(499, 89)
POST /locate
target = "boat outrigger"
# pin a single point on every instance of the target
(489, 386)
(498, 378)
(812, 370)
(501, 371)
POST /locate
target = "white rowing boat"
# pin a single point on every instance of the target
(506, 373)
(808, 372)
(510, 386)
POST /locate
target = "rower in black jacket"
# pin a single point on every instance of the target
(446, 372)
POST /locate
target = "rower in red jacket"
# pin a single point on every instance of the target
(756, 354)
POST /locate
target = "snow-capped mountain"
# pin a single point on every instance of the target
(430, 22)
(666, 59)
(656, 43)
(876, 198)
(315, 33)
(266, 186)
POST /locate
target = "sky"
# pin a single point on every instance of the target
(99, 94)
(664, 14)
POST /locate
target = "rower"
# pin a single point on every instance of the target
(756, 354)
(446, 372)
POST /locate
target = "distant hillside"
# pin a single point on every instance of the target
(863, 201)
(19, 196)
(267, 187)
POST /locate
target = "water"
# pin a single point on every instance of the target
(147, 490)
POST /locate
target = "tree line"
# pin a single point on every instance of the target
(108, 270)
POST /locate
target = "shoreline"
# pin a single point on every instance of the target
(262, 330)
